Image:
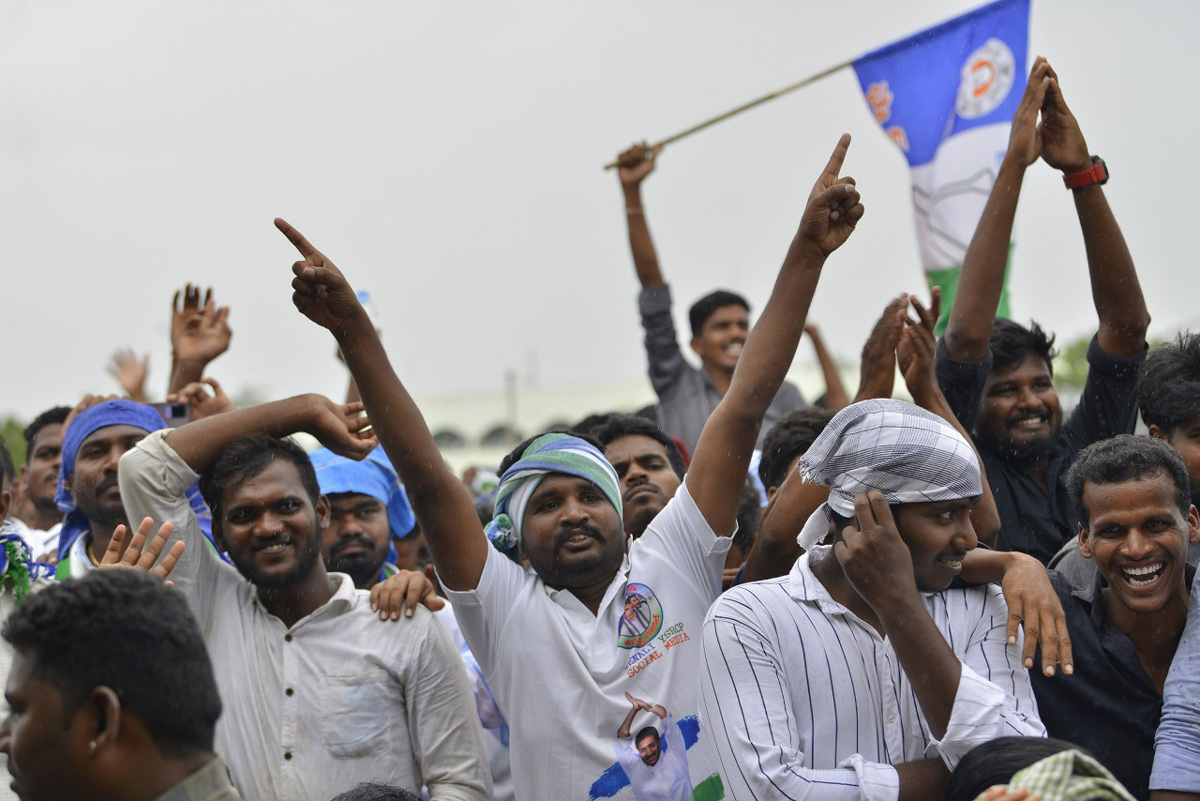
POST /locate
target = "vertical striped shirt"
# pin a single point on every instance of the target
(803, 700)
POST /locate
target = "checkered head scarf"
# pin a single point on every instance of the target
(549, 453)
(905, 452)
(1068, 776)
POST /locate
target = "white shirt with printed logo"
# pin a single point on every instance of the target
(560, 673)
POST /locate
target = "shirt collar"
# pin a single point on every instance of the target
(804, 586)
(617, 585)
(208, 783)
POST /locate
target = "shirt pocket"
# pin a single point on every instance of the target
(357, 713)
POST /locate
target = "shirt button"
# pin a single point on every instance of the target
(287, 754)
(891, 718)
(287, 638)
(289, 692)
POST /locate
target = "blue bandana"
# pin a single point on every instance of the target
(549, 453)
(86, 423)
(373, 476)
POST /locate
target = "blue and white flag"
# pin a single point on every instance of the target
(946, 96)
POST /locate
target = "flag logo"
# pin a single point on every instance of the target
(986, 79)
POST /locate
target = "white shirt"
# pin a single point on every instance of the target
(804, 700)
(560, 673)
(339, 698)
(666, 780)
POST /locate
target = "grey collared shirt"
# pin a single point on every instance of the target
(210, 783)
(687, 394)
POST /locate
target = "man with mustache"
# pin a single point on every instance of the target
(358, 538)
(997, 374)
(319, 693)
(720, 322)
(549, 638)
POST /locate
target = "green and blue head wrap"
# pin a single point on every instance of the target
(549, 453)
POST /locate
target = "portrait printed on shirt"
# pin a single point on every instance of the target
(642, 618)
(654, 760)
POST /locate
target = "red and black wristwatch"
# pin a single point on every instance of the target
(1096, 174)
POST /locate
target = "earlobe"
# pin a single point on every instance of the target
(323, 512)
(1193, 520)
(1085, 547)
(695, 346)
(105, 727)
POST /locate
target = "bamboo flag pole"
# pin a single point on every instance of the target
(746, 107)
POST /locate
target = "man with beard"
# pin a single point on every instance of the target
(358, 537)
(318, 695)
(39, 475)
(997, 375)
(548, 637)
(89, 494)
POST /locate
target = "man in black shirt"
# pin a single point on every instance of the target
(1133, 500)
(997, 375)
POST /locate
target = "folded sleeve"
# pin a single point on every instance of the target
(994, 696)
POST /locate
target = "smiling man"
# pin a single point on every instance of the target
(1136, 520)
(553, 640)
(319, 693)
(860, 674)
(720, 323)
(997, 374)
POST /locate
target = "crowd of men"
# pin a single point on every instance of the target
(736, 594)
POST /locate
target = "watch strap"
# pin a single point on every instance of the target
(1096, 174)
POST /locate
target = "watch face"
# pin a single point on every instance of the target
(985, 80)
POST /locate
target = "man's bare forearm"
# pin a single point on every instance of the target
(926, 658)
(441, 503)
(922, 779)
(641, 245)
(1116, 292)
(200, 443)
(982, 279)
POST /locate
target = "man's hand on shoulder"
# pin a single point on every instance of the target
(403, 593)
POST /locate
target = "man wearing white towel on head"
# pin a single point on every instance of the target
(860, 675)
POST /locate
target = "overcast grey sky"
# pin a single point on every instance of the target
(448, 157)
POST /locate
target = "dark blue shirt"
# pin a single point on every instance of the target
(1109, 706)
(1031, 521)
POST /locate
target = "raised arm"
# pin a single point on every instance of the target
(775, 549)
(982, 278)
(835, 392)
(339, 428)
(633, 166)
(723, 453)
(1116, 292)
(441, 502)
(916, 353)
(199, 334)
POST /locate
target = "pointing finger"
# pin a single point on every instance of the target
(839, 156)
(296, 238)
